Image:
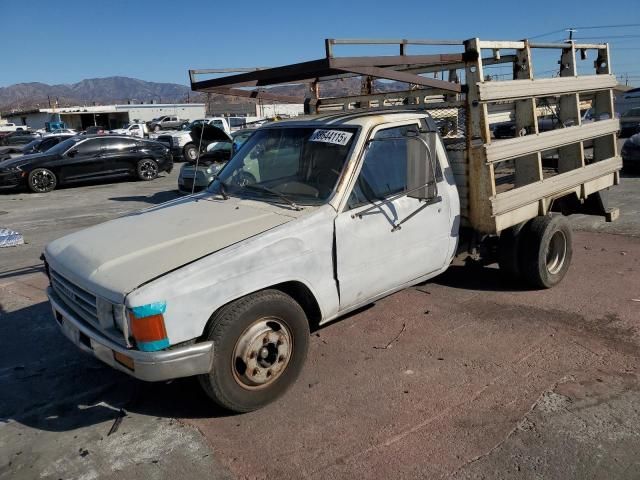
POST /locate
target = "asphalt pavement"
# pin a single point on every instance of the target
(465, 376)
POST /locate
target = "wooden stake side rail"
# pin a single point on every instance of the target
(500, 150)
(544, 87)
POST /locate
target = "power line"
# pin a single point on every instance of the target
(608, 26)
(589, 27)
(606, 36)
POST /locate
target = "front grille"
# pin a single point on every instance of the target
(79, 300)
(91, 309)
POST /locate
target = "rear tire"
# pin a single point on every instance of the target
(42, 180)
(157, 128)
(546, 251)
(147, 169)
(260, 345)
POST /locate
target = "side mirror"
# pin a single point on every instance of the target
(421, 177)
(72, 153)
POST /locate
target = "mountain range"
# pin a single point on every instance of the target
(109, 90)
(98, 90)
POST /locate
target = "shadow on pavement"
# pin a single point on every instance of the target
(16, 272)
(49, 384)
(155, 199)
(478, 278)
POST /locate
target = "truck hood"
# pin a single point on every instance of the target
(116, 257)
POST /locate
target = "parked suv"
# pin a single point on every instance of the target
(88, 157)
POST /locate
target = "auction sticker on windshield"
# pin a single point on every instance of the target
(337, 137)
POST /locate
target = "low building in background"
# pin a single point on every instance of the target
(107, 116)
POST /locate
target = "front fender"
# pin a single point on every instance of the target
(300, 251)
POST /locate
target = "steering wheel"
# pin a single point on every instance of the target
(244, 178)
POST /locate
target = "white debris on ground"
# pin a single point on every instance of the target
(9, 238)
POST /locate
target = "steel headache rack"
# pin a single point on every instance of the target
(562, 149)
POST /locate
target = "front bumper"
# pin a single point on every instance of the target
(149, 366)
(11, 179)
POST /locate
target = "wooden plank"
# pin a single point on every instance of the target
(501, 44)
(482, 182)
(528, 168)
(571, 156)
(554, 186)
(543, 87)
(501, 150)
(602, 105)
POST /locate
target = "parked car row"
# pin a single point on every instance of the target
(83, 158)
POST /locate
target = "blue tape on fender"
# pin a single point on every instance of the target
(153, 346)
(156, 308)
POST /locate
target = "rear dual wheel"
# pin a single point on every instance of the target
(539, 252)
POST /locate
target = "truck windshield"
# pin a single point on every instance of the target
(301, 163)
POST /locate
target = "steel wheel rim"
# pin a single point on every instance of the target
(42, 180)
(262, 353)
(148, 169)
(191, 153)
(556, 252)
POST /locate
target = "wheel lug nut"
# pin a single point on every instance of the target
(252, 355)
(268, 373)
(256, 371)
(265, 340)
(281, 358)
(279, 342)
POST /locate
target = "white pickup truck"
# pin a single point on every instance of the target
(314, 218)
(139, 130)
(182, 144)
(11, 127)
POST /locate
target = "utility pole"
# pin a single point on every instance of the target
(571, 30)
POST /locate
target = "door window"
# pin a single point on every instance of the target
(117, 145)
(384, 170)
(47, 143)
(89, 147)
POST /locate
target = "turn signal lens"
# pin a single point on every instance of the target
(146, 324)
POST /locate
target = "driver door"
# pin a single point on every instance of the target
(373, 257)
(83, 161)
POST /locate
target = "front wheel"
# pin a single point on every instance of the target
(41, 180)
(147, 169)
(190, 152)
(260, 345)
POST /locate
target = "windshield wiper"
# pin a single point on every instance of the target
(257, 186)
(223, 187)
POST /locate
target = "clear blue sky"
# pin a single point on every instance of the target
(67, 41)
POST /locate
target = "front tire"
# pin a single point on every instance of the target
(147, 169)
(190, 152)
(546, 250)
(42, 180)
(260, 345)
